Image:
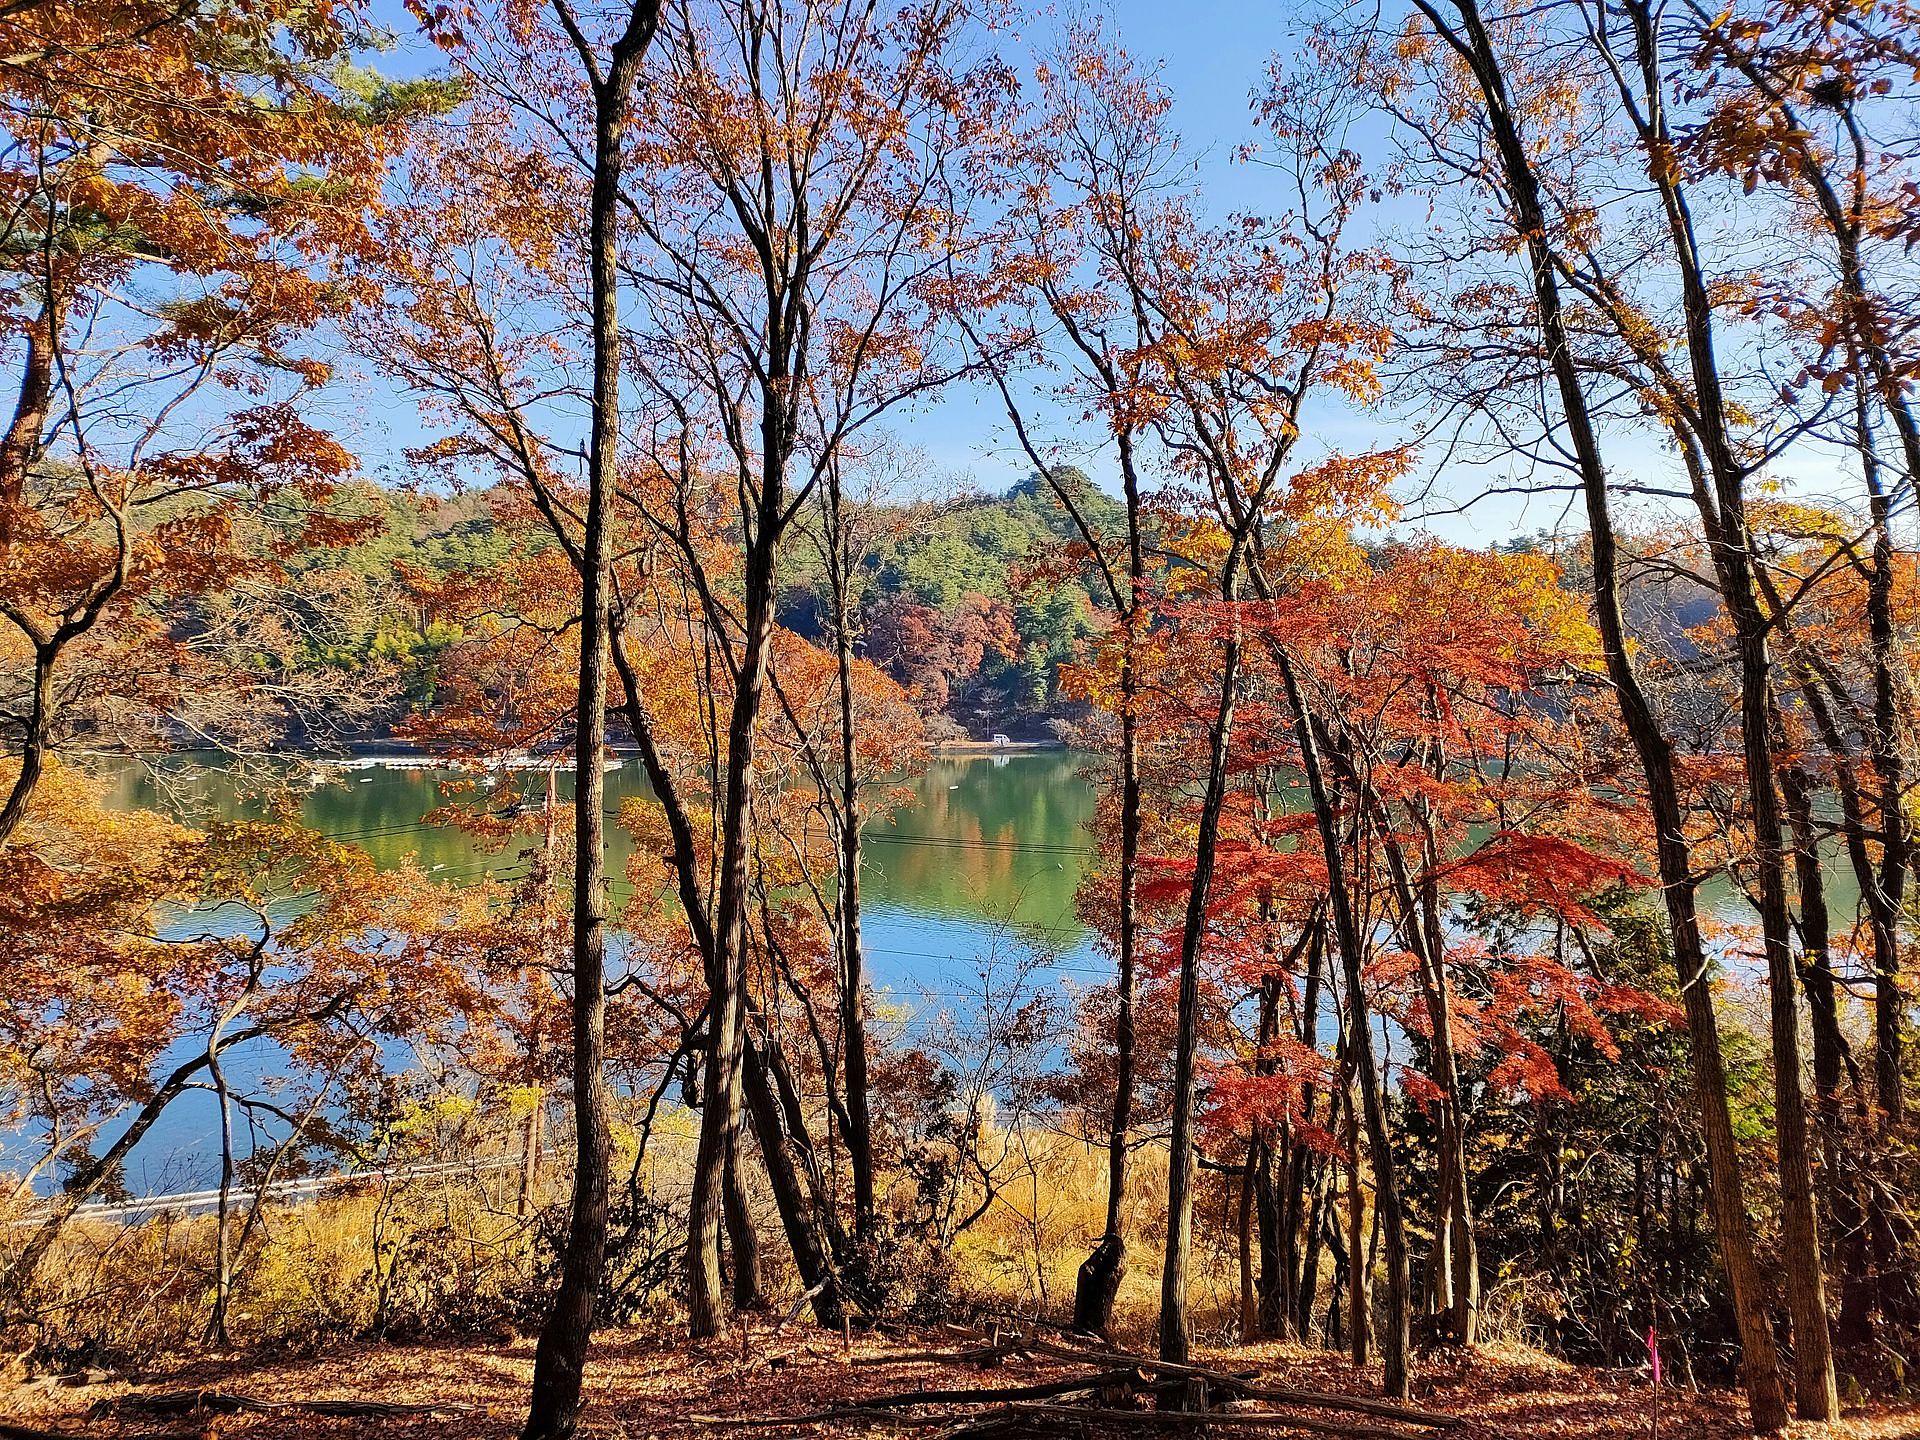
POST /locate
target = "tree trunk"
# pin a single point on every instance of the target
(1317, 1221)
(720, 1095)
(1759, 1358)
(34, 743)
(726, 970)
(20, 448)
(853, 1020)
(1304, 1169)
(1360, 1056)
(1243, 1218)
(223, 1255)
(726, 978)
(1175, 1340)
(1855, 1326)
(1271, 1319)
(1453, 1270)
(1272, 1204)
(1882, 890)
(1723, 515)
(26, 432)
(1886, 896)
(559, 1362)
(799, 1216)
(530, 1160)
(742, 1241)
(1359, 1303)
(858, 1124)
(1124, 982)
(1098, 1280)
(560, 1357)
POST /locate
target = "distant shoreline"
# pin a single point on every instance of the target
(376, 752)
(991, 747)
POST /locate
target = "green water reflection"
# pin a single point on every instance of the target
(984, 840)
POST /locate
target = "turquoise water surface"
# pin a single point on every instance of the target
(981, 860)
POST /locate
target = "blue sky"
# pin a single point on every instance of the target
(1211, 57)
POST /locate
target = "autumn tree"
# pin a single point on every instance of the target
(706, 501)
(1206, 345)
(1435, 696)
(1093, 158)
(182, 182)
(1818, 115)
(1489, 91)
(874, 739)
(806, 190)
(586, 112)
(279, 938)
(936, 655)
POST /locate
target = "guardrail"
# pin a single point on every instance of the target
(304, 1187)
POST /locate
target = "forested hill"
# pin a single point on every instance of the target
(972, 603)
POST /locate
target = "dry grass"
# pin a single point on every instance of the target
(315, 1277)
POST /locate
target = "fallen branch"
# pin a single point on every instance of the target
(1366, 1405)
(1042, 1390)
(878, 1409)
(839, 1414)
(1017, 1406)
(185, 1402)
(982, 1355)
(1207, 1418)
(1014, 1411)
(1285, 1395)
(1008, 1324)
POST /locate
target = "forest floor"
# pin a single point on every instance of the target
(641, 1388)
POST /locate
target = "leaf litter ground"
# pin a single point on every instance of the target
(641, 1384)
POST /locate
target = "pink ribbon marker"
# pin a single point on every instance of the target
(1653, 1352)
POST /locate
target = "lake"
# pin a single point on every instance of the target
(988, 851)
(985, 855)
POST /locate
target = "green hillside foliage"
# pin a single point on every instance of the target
(974, 604)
